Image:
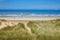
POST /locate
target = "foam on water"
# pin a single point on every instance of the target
(29, 13)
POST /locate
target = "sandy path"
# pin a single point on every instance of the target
(27, 28)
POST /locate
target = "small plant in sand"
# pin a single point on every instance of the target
(3, 20)
(0, 23)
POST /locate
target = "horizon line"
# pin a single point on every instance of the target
(29, 9)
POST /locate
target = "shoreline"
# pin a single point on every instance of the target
(30, 18)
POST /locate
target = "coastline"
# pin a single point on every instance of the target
(30, 18)
(14, 21)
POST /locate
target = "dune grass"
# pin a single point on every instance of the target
(48, 30)
(16, 32)
(0, 23)
(3, 20)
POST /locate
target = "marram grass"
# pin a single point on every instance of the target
(48, 30)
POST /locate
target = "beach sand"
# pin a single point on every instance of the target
(31, 18)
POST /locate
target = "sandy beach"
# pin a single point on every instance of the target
(31, 18)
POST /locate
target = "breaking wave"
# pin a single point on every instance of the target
(30, 15)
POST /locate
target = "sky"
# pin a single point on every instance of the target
(29, 4)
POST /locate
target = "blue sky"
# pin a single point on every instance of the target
(29, 4)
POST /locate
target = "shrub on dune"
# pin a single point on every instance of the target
(49, 30)
(0, 23)
(3, 20)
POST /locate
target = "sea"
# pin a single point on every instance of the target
(29, 13)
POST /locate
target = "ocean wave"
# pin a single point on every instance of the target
(30, 15)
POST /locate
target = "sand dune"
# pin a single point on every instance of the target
(15, 21)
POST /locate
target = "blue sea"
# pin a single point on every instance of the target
(29, 13)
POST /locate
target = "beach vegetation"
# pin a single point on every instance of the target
(0, 23)
(48, 30)
(3, 20)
